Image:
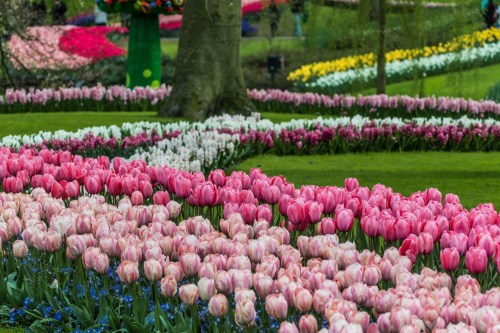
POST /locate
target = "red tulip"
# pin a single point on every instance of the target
(12, 184)
(114, 185)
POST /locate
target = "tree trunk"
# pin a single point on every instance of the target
(381, 78)
(208, 78)
(144, 51)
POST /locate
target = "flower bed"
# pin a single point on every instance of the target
(222, 141)
(119, 98)
(39, 49)
(401, 70)
(137, 247)
(91, 42)
(317, 70)
(61, 47)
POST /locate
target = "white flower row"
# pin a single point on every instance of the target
(435, 63)
(226, 122)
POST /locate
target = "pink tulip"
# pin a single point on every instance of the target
(206, 288)
(241, 294)
(218, 305)
(351, 184)
(344, 219)
(327, 226)
(308, 324)
(248, 212)
(146, 189)
(101, 263)
(128, 271)
(370, 225)
(276, 306)
(93, 184)
(450, 259)
(19, 249)
(303, 300)
(161, 198)
(287, 327)
(114, 186)
(476, 260)
(137, 198)
(218, 177)
(189, 294)
(190, 263)
(73, 189)
(174, 209)
(168, 286)
(425, 243)
(153, 270)
(245, 313)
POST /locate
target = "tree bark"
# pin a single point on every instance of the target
(381, 77)
(208, 78)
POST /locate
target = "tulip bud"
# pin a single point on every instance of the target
(128, 271)
(153, 270)
(308, 324)
(476, 260)
(276, 306)
(287, 327)
(19, 249)
(450, 259)
(245, 313)
(218, 305)
(189, 294)
(206, 288)
(168, 286)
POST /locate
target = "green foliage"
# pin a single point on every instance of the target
(107, 72)
(494, 93)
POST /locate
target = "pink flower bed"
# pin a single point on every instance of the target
(39, 49)
(91, 43)
(342, 258)
(62, 47)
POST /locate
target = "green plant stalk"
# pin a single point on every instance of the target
(144, 57)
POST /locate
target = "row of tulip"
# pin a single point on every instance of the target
(268, 254)
(400, 70)
(316, 70)
(221, 141)
(120, 98)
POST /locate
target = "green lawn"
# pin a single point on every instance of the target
(29, 123)
(475, 177)
(473, 84)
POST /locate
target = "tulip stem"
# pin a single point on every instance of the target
(154, 287)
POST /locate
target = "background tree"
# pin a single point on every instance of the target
(208, 78)
(144, 48)
(381, 75)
